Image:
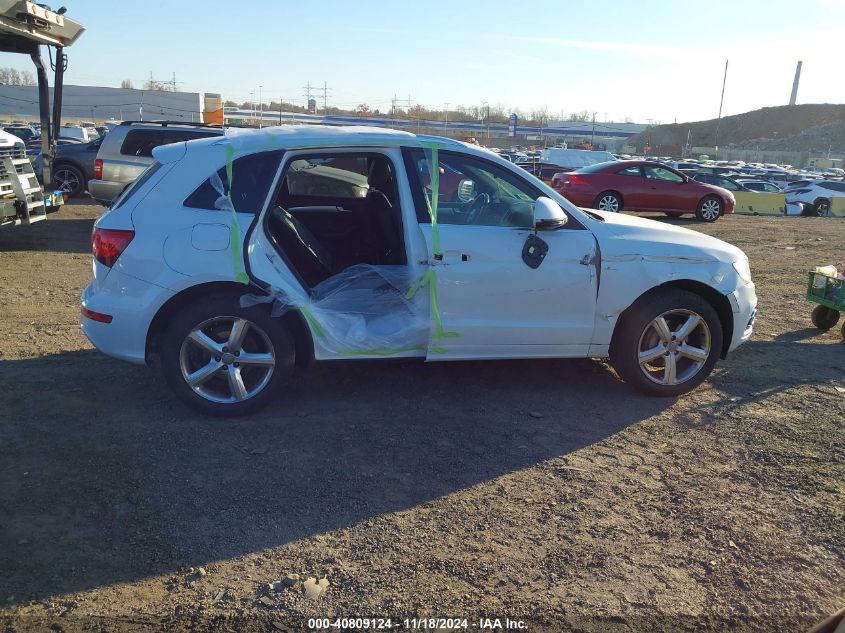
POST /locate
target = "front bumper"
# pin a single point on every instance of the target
(744, 306)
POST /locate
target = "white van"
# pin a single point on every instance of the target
(573, 158)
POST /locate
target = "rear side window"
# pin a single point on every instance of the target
(251, 178)
(143, 142)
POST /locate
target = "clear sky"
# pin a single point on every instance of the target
(644, 59)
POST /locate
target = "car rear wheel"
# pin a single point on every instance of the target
(68, 179)
(225, 360)
(667, 343)
(609, 201)
(709, 209)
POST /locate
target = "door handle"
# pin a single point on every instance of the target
(452, 257)
(587, 260)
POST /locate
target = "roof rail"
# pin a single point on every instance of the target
(166, 123)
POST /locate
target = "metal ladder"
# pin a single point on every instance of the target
(21, 197)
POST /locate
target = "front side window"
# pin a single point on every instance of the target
(251, 178)
(472, 191)
(661, 173)
(727, 184)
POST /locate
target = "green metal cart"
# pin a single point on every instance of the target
(829, 295)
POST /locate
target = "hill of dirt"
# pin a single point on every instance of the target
(807, 127)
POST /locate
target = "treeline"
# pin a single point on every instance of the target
(12, 77)
(492, 113)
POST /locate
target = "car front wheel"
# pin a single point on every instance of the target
(667, 343)
(709, 209)
(225, 360)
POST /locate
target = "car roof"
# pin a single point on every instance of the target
(247, 141)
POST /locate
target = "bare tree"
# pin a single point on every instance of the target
(363, 110)
(126, 83)
(27, 78)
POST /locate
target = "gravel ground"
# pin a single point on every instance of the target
(542, 491)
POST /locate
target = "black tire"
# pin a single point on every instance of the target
(610, 200)
(635, 329)
(707, 209)
(69, 179)
(262, 332)
(824, 318)
(821, 207)
(809, 210)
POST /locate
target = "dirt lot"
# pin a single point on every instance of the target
(546, 491)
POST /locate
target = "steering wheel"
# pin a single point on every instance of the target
(478, 204)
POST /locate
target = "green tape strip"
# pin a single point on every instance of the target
(235, 227)
(309, 316)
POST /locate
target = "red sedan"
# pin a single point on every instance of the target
(643, 186)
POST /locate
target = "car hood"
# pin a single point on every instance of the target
(632, 236)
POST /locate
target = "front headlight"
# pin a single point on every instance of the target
(743, 270)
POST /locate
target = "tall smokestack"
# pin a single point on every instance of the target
(795, 84)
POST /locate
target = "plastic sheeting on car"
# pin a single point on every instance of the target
(363, 310)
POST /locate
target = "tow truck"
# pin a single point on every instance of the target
(24, 28)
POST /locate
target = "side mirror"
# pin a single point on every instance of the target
(548, 215)
(466, 190)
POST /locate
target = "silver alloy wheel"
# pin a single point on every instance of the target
(710, 209)
(227, 359)
(609, 203)
(674, 347)
(66, 180)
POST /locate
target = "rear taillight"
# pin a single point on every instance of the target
(96, 316)
(108, 244)
(98, 169)
(575, 179)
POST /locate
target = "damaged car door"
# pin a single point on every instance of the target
(493, 300)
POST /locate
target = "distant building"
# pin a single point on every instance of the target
(94, 103)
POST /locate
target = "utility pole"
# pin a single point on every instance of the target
(446, 124)
(307, 88)
(721, 101)
(280, 110)
(325, 97)
(260, 108)
(593, 134)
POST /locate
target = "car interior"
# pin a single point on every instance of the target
(335, 211)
